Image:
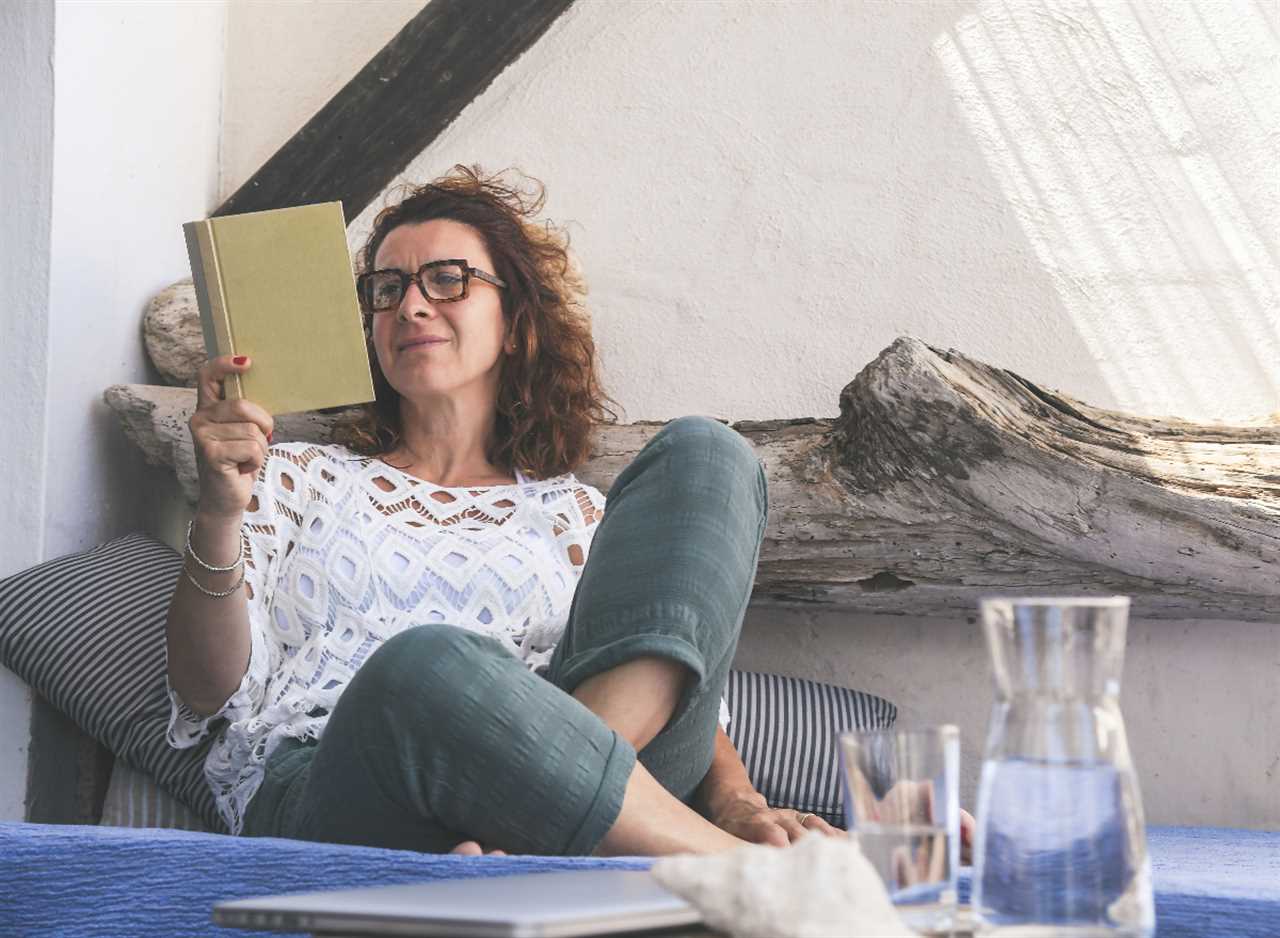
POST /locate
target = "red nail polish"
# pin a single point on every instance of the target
(270, 435)
(240, 359)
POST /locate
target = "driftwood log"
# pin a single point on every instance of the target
(945, 479)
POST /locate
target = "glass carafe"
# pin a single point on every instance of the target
(1061, 844)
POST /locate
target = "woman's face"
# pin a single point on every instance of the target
(429, 350)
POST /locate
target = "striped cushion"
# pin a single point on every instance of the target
(785, 729)
(135, 800)
(87, 632)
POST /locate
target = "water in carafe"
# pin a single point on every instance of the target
(1061, 843)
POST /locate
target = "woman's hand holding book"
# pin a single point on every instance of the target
(231, 439)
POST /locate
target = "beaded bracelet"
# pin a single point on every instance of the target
(216, 594)
(213, 568)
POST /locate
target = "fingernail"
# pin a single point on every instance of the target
(240, 359)
(269, 435)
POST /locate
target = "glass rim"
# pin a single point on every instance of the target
(944, 731)
(1103, 602)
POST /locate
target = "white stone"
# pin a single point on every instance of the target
(171, 330)
(821, 887)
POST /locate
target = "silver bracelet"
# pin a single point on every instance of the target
(216, 594)
(214, 568)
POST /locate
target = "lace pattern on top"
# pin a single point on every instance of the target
(343, 552)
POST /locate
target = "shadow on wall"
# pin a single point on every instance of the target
(1136, 146)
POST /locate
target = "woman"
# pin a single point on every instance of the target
(434, 637)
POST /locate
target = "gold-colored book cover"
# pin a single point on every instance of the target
(279, 287)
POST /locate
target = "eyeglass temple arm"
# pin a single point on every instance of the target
(488, 278)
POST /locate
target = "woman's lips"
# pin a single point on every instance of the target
(425, 341)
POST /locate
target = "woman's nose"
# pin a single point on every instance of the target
(413, 304)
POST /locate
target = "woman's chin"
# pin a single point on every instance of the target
(420, 387)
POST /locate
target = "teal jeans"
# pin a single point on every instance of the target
(443, 736)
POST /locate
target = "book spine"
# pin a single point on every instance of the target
(215, 320)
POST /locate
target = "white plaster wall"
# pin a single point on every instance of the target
(26, 175)
(111, 146)
(135, 155)
(285, 61)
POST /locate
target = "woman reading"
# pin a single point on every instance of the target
(431, 635)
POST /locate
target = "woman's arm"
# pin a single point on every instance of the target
(727, 797)
(207, 637)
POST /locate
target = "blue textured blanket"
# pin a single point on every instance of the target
(115, 882)
(58, 880)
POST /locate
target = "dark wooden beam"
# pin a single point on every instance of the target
(409, 92)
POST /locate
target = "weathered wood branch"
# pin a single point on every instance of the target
(945, 479)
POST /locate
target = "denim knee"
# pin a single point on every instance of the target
(697, 444)
(398, 669)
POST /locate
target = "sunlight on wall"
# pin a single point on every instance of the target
(1137, 145)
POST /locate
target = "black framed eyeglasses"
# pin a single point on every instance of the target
(444, 281)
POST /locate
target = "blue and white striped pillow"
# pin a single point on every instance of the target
(86, 631)
(133, 799)
(786, 728)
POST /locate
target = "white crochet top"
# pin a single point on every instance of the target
(345, 551)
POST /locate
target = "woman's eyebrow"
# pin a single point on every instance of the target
(390, 265)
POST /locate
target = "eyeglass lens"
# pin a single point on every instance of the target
(444, 282)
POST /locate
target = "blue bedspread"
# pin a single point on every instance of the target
(124, 883)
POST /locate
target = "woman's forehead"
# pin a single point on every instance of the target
(416, 244)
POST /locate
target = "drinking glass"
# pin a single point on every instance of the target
(902, 804)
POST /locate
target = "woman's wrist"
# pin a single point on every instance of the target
(718, 799)
(215, 537)
(210, 522)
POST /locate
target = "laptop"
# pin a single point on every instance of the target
(527, 905)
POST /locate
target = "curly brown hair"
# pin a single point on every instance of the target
(550, 399)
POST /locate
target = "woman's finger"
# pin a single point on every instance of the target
(771, 834)
(211, 440)
(212, 374)
(246, 456)
(221, 432)
(789, 821)
(818, 825)
(759, 829)
(240, 411)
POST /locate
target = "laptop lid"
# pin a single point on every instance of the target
(528, 905)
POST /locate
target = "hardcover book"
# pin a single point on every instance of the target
(279, 287)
